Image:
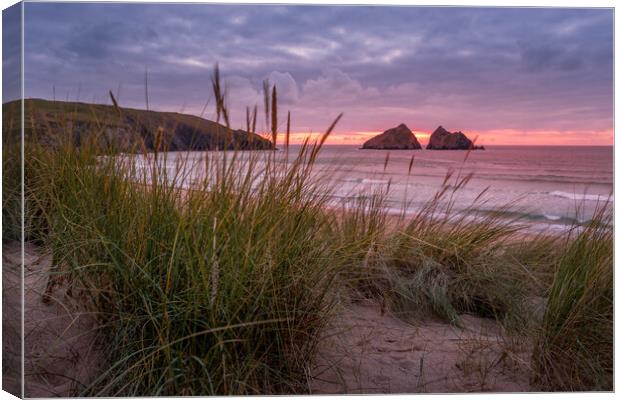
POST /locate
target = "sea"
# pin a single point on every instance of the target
(545, 187)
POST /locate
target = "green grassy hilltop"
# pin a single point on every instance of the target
(128, 129)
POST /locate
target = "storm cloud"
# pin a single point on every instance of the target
(473, 69)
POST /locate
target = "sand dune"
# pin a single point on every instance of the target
(364, 350)
(367, 351)
(61, 355)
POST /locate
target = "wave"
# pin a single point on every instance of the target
(533, 217)
(577, 196)
(552, 217)
(367, 181)
(490, 175)
(533, 222)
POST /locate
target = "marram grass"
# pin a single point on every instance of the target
(225, 287)
(222, 289)
(574, 349)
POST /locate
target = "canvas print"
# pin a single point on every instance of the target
(254, 199)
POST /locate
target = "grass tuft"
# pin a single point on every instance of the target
(221, 289)
(574, 349)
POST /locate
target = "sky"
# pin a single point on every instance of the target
(504, 75)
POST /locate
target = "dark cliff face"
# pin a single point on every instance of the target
(399, 138)
(441, 139)
(127, 129)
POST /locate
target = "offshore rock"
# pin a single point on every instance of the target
(399, 138)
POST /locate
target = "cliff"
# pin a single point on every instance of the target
(127, 129)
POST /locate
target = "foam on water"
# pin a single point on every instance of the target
(367, 181)
(552, 217)
(579, 196)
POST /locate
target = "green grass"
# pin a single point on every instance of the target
(227, 287)
(11, 175)
(223, 289)
(443, 263)
(574, 349)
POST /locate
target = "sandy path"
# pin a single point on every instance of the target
(367, 352)
(60, 350)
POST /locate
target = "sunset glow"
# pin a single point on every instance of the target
(498, 138)
(509, 76)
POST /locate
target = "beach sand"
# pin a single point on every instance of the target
(60, 348)
(369, 351)
(364, 350)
